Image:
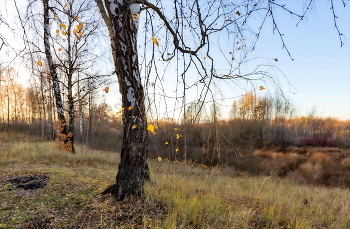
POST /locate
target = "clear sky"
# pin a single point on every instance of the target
(320, 72)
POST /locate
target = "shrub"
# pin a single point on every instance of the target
(322, 159)
(346, 162)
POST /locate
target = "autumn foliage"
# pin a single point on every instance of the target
(63, 141)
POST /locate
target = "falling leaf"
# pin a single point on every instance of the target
(129, 108)
(238, 13)
(261, 88)
(152, 84)
(59, 49)
(204, 57)
(159, 159)
(63, 26)
(134, 126)
(230, 53)
(55, 16)
(106, 89)
(166, 143)
(120, 111)
(239, 48)
(154, 40)
(39, 63)
(77, 18)
(276, 60)
(65, 5)
(233, 58)
(254, 4)
(176, 149)
(150, 127)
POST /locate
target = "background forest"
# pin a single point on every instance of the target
(203, 137)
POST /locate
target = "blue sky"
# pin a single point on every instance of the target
(320, 71)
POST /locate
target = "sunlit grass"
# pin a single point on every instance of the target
(178, 196)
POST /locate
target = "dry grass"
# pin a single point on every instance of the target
(177, 197)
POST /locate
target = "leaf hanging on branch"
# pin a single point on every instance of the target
(63, 26)
(154, 40)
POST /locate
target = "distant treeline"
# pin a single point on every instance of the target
(254, 123)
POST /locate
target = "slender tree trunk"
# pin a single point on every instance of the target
(133, 168)
(43, 120)
(53, 73)
(8, 108)
(80, 114)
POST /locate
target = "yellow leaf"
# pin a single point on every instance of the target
(136, 15)
(80, 26)
(106, 89)
(129, 108)
(154, 40)
(176, 128)
(178, 136)
(261, 88)
(77, 18)
(80, 33)
(59, 49)
(57, 35)
(133, 127)
(39, 63)
(75, 31)
(55, 16)
(64, 33)
(159, 159)
(63, 26)
(65, 5)
(166, 143)
(150, 127)
(120, 111)
(57, 31)
(176, 149)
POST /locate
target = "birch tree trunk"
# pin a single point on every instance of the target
(133, 168)
(53, 73)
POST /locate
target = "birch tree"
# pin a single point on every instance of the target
(70, 33)
(207, 23)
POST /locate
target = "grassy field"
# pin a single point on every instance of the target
(177, 196)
